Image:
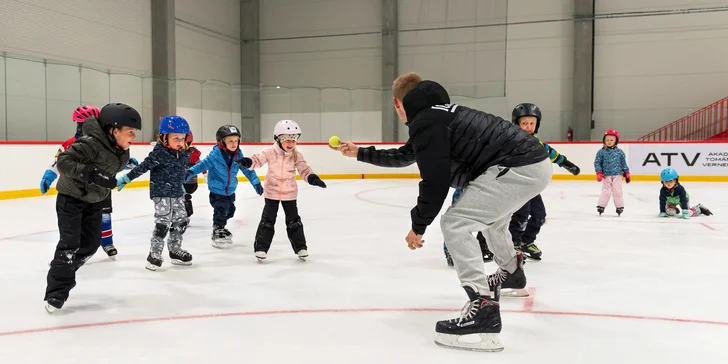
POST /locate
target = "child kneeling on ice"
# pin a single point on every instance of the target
(673, 194)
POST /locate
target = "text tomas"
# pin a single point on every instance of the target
(714, 159)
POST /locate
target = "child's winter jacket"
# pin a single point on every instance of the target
(167, 168)
(280, 181)
(222, 171)
(611, 161)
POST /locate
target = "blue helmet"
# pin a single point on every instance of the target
(173, 124)
(668, 174)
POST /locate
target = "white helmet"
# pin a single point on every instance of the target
(286, 127)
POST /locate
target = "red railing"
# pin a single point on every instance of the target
(706, 123)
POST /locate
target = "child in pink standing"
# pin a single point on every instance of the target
(280, 186)
(611, 165)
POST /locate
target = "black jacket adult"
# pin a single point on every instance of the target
(94, 148)
(452, 146)
(167, 166)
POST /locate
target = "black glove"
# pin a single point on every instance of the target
(571, 167)
(91, 174)
(244, 162)
(314, 180)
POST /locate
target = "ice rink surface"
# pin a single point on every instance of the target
(629, 289)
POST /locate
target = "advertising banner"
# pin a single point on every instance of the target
(709, 159)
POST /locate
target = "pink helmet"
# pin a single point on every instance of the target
(85, 111)
(611, 132)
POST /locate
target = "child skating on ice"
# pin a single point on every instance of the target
(222, 181)
(167, 165)
(283, 161)
(87, 170)
(674, 197)
(611, 165)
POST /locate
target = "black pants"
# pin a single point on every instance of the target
(190, 188)
(223, 208)
(106, 205)
(266, 228)
(79, 225)
(524, 228)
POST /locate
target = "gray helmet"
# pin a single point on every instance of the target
(526, 109)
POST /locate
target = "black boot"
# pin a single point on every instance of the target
(480, 316)
(514, 283)
(620, 210)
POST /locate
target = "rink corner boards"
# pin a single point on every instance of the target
(35, 192)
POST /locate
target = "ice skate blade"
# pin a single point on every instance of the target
(472, 342)
(179, 262)
(514, 292)
(50, 309)
(303, 259)
(112, 257)
(220, 244)
(260, 260)
(152, 267)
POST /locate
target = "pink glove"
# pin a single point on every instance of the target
(626, 176)
(600, 176)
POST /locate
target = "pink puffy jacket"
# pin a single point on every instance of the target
(280, 181)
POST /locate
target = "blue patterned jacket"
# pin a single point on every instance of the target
(611, 161)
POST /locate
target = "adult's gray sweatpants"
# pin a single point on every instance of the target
(486, 205)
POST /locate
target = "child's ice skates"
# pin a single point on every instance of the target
(221, 237)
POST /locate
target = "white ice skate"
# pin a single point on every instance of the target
(261, 255)
(303, 254)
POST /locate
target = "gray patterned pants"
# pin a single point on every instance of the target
(169, 216)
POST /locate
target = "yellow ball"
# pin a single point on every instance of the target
(334, 141)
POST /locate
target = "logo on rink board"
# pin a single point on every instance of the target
(687, 159)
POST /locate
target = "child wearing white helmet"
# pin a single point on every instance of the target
(280, 184)
(673, 196)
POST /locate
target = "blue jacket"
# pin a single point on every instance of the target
(611, 161)
(167, 168)
(222, 171)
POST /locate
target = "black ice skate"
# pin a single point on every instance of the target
(480, 318)
(154, 261)
(620, 210)
(600, 210)
(509, 284)
(531, 251)
(220, 238)
(180, 257)
(110, 251)
(53, 304)
(703, 210)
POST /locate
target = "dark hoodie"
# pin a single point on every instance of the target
(93, 148)
(454, 144)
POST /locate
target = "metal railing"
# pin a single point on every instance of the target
(710, 122)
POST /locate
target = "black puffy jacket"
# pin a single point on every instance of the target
(93, 148)
(452, 146)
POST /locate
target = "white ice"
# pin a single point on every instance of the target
(630, 289)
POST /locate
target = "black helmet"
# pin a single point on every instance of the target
(226, 131)
(119, 115)
(526, 109)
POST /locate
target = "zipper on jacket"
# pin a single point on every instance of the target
(283, 163)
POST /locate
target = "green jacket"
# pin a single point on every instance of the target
(93, 148)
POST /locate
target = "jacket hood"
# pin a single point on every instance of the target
(91, 127)
(424, 95)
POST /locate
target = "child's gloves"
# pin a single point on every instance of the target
(314, 180)
(45, 182)
(188, 175)
(663, 214)
(600, 176)
(258, 188)
(131, 163)
(571, 167)
(184, 191)
(122, 181)
(91, 174)
(685, 214)
(626, 176)
(244, 162)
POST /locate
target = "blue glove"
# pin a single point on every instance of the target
(188, 175)
(184, 191)
(258, 188)
(131, 163)
(685, 214)
(662, 214)
(122, 181)
(45, 183)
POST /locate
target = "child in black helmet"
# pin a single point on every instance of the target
(87, 170)
(222, 180)
(527, 221)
